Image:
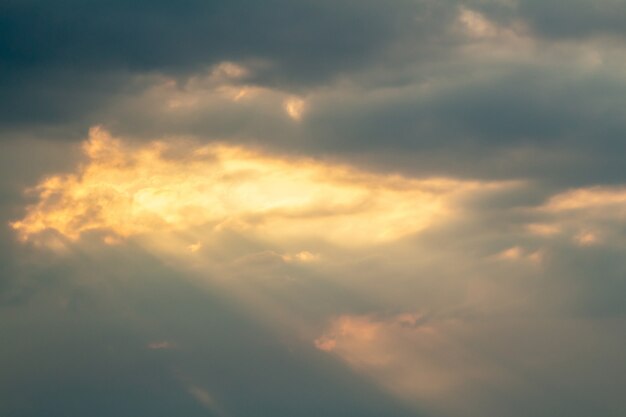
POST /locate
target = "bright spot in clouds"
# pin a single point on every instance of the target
(604, 198)
(294, 107)
(476, 24)
(126, 190)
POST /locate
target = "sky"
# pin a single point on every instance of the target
(346, 208)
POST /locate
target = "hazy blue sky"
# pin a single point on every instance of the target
(293, 208)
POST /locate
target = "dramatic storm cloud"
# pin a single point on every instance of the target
(313, 208)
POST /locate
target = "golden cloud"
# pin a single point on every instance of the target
(588, 199)
(586, 216)
(128, 190)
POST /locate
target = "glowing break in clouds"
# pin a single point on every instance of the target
(124, 191)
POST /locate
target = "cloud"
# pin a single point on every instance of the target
(587, 216)
(463, 316)
(207, 401)
(430, 88)
(82, 54)
(452, 365)
(593, 198)
(332, 207)
(420, 363)
(294, 108)
(127, 191)
(161, 345)
(574, 19)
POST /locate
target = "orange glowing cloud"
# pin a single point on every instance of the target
(588, 198)
(127, 190)
(416, 358)
(584, 215)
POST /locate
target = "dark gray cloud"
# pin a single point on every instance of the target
(552, 124)
(575, 19)
(60, 60)
(191, 35)
(390, 86)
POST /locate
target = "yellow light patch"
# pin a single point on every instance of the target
(294, 107)
(587, 198)
(126, 191)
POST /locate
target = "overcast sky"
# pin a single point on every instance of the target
(293, 208)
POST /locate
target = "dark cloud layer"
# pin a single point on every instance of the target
(191, 35)
(402, 84)
(62, 59)
(524, 123)
(575, 19)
